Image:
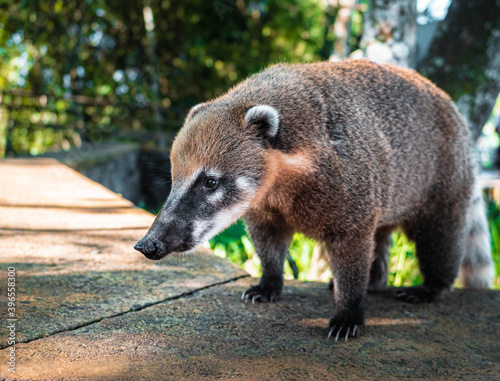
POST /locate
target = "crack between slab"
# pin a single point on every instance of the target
(140, 308)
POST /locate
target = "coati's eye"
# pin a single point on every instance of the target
(210, 183)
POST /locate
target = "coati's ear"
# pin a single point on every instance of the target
(194, 109)
(264, 119)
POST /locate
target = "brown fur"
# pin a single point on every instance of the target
(361, 148)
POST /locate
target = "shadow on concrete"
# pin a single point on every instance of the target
(211, 335)
(62, 296)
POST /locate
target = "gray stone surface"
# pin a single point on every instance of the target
(65, 293)
(91, 308)
(91, 154)
(212, 335)
(70, 241)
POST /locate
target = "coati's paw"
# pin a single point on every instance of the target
(260, 294)
(343, 330)
(420, 294)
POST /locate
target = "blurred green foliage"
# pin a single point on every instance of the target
(235, 244)
(92, 60)
(493, 209)
(403, 263)
(489, 142)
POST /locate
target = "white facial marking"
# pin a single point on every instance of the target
(180, 189)
(246, 185)
(265, 112)
(198, 227)
(206, 229)
(216, 197)
(219, 222)
(213, 173)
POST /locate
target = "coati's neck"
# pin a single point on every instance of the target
(283, 170)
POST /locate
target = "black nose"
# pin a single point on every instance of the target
(150, 248)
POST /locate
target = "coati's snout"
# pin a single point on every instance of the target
(151, 248)
(184, 219)
(163, 240)
(197, 208)
(214, 180)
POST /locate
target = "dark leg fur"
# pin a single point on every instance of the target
(272, 241)
(350, 261)
(440, 248)
(379, 270)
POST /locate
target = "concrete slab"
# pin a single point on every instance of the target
(70, 241)
(44, 195)
(213, 335)
(91, 308)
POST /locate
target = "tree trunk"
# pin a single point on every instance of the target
(390, 32)
(341, 27)
(464, 58)
(153, 70)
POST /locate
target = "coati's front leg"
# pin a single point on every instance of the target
(350, 260)
(380, 267)
(272, 240)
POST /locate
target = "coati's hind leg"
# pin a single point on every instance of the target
(379, 269)
(271, 240)
(440, 246)
(350, 260)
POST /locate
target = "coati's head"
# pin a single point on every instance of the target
(220, 167)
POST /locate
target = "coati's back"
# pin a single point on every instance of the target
(410, 131)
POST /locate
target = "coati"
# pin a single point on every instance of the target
(344, 153)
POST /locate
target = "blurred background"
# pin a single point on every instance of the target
(104, 86)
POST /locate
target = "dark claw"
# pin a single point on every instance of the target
(258, 294)
(330, 333)
(338, 333)
(256, 298)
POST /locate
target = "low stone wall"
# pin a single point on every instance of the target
(141, 176)
(119, 174)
